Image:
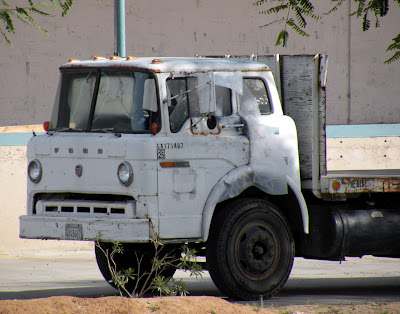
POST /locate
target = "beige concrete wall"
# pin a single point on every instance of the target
(360, 88)
(363, 153)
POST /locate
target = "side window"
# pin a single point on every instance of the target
(178, 108)
(223, 101)
(181, 104)
(254, 90)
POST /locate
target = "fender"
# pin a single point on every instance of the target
(302, 203)
(234, 183)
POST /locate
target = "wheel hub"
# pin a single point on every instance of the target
(257, 250)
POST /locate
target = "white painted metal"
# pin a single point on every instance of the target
(173, 65)
(316, 188)
(122, 230)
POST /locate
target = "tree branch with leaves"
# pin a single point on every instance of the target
(295, 13)
(28, 13)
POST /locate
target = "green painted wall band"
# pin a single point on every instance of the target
(332, 131)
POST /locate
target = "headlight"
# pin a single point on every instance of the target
(35, 171)
(125, 173)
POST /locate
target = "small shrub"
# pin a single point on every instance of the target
(152, 279)
(154, 308)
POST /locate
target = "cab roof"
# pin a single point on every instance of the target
(169, 64)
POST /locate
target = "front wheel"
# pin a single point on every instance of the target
(139, 257)
(250, 249)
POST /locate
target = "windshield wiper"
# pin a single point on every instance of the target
(65, 130)
(105, 130)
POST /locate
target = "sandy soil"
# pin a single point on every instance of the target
(173, 305)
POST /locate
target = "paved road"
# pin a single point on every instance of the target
(324, 282)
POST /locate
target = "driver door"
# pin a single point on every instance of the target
(196, 153)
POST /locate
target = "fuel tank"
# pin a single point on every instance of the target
(339, 231)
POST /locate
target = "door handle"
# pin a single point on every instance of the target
(236, 126)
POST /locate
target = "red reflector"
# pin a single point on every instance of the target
(336, 185)
(167, 164)
(46, 125)
(175, 164)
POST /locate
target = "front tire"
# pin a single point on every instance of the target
(129, 259)
(250, 249)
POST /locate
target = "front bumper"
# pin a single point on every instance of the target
(84, 229)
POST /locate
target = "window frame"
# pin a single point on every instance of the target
(155, 117)
(189, 116)
(267, 93)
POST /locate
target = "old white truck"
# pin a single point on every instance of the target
(199, 151)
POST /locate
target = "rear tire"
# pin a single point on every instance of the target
(250, 249)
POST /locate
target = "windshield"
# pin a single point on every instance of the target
(105, 100)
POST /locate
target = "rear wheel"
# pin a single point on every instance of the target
(129, 259)
(250, 249)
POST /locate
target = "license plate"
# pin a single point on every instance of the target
(73, 232)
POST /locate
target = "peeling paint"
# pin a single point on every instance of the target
(355, 182)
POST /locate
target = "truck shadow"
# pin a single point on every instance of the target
(295, 292)
(75, 289)
(321, 291)
(338, 291)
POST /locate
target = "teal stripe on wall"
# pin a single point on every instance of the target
(332, 131)
(362, 130)
(15, 139)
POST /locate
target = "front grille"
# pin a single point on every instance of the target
(85, 208)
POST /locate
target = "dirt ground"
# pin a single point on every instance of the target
(173, 305)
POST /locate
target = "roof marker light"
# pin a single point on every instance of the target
(154, 128)
(131, 58)
(156, 61)
(98, 58)
(73, 60)
(115, 58)
(46, 126)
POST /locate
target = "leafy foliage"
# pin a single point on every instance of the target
(377, 8)
(396, 48)
(26, 14)
(336, 6)
(120, 277)
(153, 278)
(296, 11)
(301, 9)
(282, 38)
